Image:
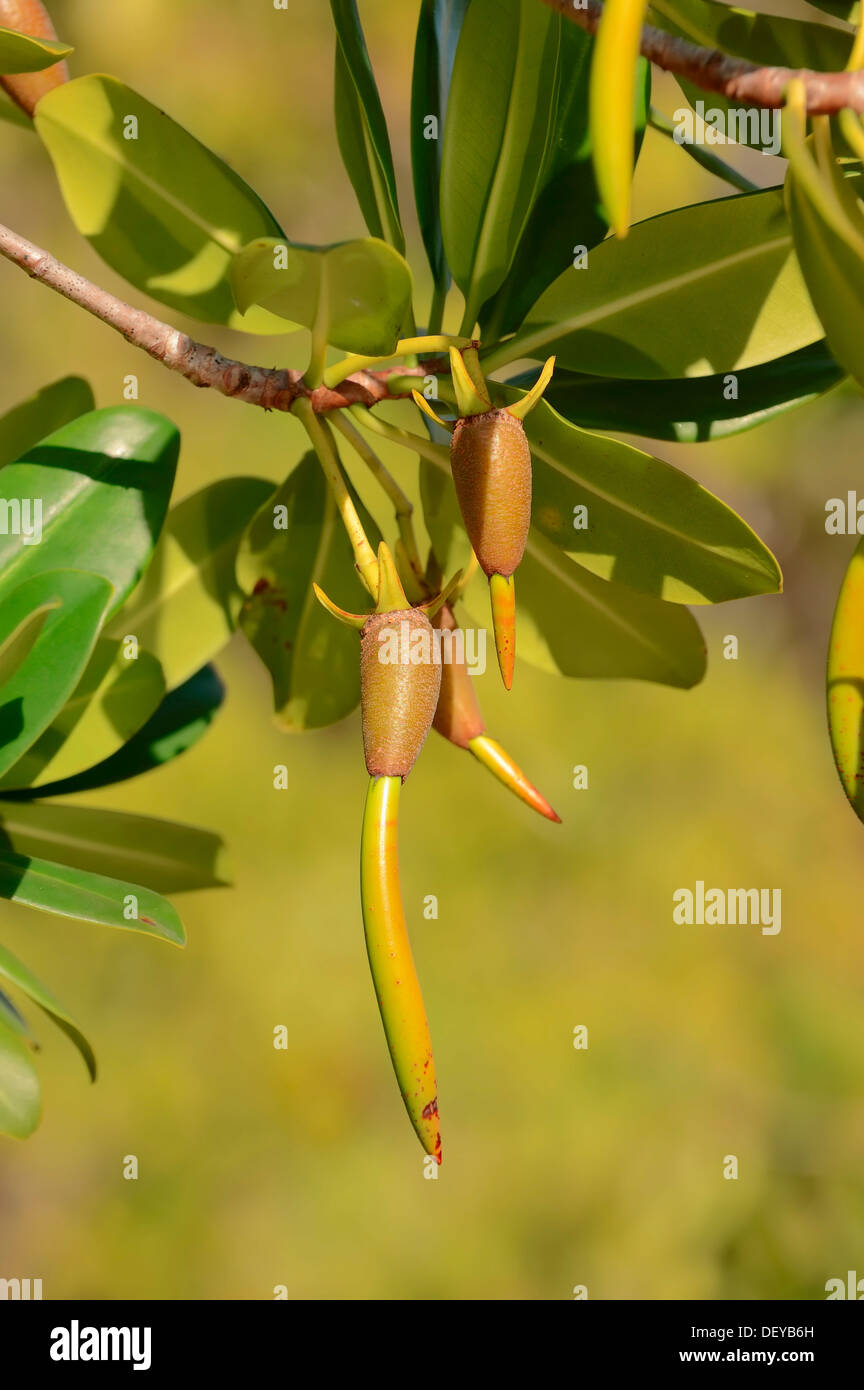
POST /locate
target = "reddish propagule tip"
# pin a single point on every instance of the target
(499, 762)
(502, 592)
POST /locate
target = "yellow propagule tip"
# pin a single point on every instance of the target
(391, 961)
(521, 408)
(499, 762)
(502, 592)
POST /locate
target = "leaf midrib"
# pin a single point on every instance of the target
(563, 328)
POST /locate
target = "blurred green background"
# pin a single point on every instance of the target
(602, 1167)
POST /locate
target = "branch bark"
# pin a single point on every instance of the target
(267, 387)
(735, 78)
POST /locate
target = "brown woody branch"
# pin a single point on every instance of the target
(268, 387)
(735, 78)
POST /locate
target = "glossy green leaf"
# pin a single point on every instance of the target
(767, 39)
(495, 139)
(88, 897)
(112, 700)
(649, 526)
(566, 215)
(588, 627)
(166, 856)
(159, 207)
(23, 53)
(711, 288)
(296, 537)
(183, 717)
(833, 270)
(20, 1094)
(438, 30)
(17, 974)
(692, 409)
(355, 295)
(361, 128)
(16, 647)
(185, 609)
(101, 486)
(38, 689)
(55, 405)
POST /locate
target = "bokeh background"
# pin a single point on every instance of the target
(602, 1167)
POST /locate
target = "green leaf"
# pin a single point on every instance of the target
(159, 207)
(313, 661)
(35, 692)
(15, 648)
(496, 139)
(101, 486)
(766, 39)
(693, 409)
(168, 857)
(361, 128)
(438, 30)
(588, 627)
(711, 288)
(52, 407)
(183, 717)
(18, 974)
(185, 609)
(112, 700)
(566, 215)
(20, 1094)
(355, 295)
(649, 526)
(13, 114)
(87, 897)
(22, 53)
(833, 270)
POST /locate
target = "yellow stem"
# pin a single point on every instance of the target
(402, 504)
(406, 347)
(322, 443)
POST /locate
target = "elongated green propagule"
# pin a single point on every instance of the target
(491, 465)
(400, 684)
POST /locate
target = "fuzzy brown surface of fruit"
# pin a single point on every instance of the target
(399, 694)
(458, 715)
(491, 465)
(30, 17)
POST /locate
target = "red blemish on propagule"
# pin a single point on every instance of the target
(431, 1109)
(149, 921)
(261, 587)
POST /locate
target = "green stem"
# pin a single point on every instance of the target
(433, 453)
(814, 183)
(324, 446)
(436, 309)
(712, 162)
(402, 504)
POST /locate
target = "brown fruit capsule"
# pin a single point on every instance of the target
(458, 716)
(400, 681)
(491, 465)
(31, 17)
